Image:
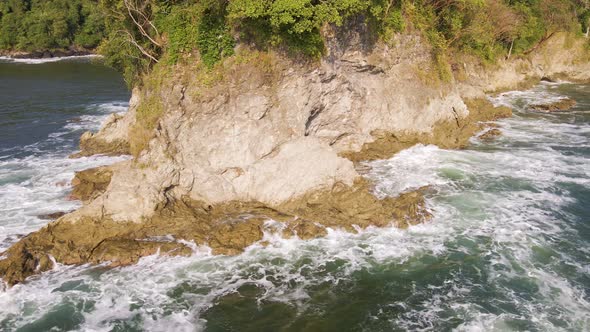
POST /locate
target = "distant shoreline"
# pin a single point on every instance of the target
(45, 54)
(23, 59)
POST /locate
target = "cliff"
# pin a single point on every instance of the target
(265, 137)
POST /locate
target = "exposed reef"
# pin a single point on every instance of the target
(227, 228)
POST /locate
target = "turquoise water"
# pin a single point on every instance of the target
(507, 250)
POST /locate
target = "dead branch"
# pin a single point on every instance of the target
(134, 42)
(130, 10)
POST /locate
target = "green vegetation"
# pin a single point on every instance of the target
(143, 32)
(37, 25)
(136, 34)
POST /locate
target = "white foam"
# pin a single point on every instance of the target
(100, 113)
(38, 184)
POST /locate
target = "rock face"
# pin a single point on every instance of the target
(113, 137)
(561, 105)
(261, 143)
(91, 183)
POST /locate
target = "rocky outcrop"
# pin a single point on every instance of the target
(113, 137)
(266, 143)
(91, 183)
(561, 105)
(448, 134)
(227, 228)
(561, 58)
(490, 134)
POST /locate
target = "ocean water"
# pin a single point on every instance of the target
(508, 248)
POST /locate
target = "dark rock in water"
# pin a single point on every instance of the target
(548, 79)
(490, 134)
(561, 105)
(52, 216)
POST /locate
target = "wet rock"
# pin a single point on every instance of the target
(227, 228)
(448, 134)
(91, 183)
(52, 216)
(490, 134)
(347, 207)
(561, 105)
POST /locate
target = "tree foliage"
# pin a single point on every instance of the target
(136, 34)
(29, 25)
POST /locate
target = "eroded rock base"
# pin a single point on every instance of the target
(227, 228)
(450, 134)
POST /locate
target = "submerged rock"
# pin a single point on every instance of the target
(561, 105)
(52, 216)
(490, 134)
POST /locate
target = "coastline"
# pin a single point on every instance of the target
(466, 181)
(35, 61)
(45, 54)
(168, 182)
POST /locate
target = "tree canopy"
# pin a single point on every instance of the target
(31, 25)
(135, 34)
